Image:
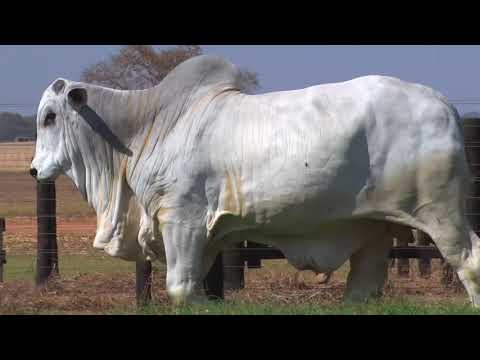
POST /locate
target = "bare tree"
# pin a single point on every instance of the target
(142, 66)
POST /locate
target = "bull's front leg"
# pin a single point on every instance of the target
(184, 250)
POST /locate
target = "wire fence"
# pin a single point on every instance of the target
(75, 220)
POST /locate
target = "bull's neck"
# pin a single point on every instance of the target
(142, 121)
(100, 173)
(126, 113)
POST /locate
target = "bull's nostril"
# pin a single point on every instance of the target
(33, 172)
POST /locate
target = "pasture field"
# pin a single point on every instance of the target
(16, 156)
(18, 196)
(18, 188)
(92, 282)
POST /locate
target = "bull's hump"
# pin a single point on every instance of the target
(201, 71)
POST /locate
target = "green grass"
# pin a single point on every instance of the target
(22, 267)
(243, 308)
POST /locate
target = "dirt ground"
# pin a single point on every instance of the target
(27, 225)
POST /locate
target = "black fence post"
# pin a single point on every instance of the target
(255, 262)
(47, 251)
(404, 237)
(213, 282)
(143, 282)
(234, 268)
(3, 255)
(424, 264)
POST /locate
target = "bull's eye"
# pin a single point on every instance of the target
(49, 119)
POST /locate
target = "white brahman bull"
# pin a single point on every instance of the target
(323, 173)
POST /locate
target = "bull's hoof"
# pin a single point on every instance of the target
(180, 297)
(475, 301)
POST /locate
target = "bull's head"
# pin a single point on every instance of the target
(62, 103)
(50, 154)
(66, 146)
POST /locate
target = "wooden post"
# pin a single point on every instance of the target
(234, 268)
(447, 274)
(143, 282)
(254, 262)
(450, 277)
(213, 283)
(404, 237)
(425, 264)
(3, 256)
(47, 251)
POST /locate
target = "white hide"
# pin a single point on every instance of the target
(319, 173)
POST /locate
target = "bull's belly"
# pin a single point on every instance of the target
(325, 249)
(309, 218)
(300, 216)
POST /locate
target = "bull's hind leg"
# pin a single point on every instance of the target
(442, 186)
(469, 270)
(368, 270)
(460, 247)
(448, 227)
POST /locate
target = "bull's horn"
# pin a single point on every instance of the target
(58, 86)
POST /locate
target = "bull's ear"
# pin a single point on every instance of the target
(58, 86)
(77, 97)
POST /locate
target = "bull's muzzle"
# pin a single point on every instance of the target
(33, 172)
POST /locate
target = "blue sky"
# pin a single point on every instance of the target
(25, 71)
